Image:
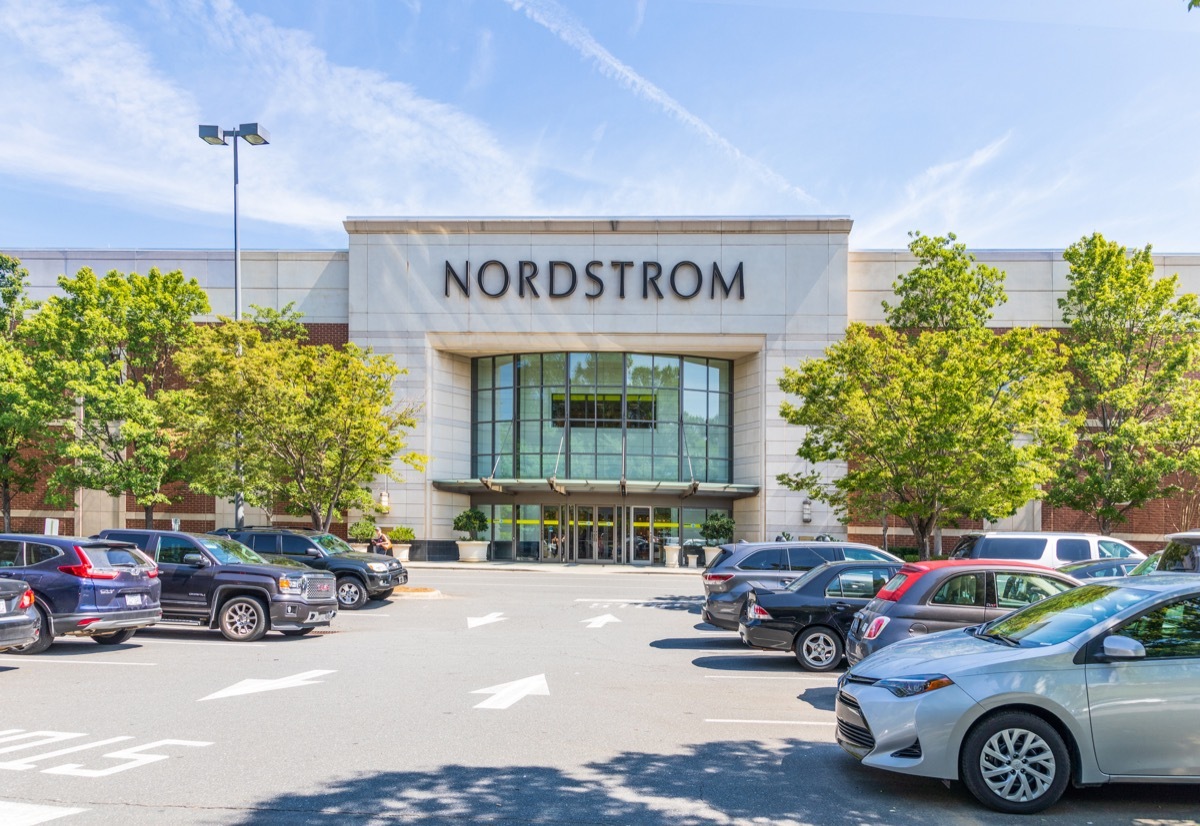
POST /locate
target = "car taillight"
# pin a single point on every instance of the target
(85, 570)
(714, 579)
(26, 601)
(876, 628)
(756, 611)
(153, 572)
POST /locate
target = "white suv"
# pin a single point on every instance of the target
(1050, 549)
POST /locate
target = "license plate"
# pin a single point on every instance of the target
(133, 599)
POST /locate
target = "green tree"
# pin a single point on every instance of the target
(937, 416)
(316, 424)
(1133, 345)
(947, 290)
(30, 407)
(115, 339)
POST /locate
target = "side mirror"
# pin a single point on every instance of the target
(1117, 647)
(313, 552)
(195, 559)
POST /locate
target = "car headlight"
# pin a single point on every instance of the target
(912, 686)
(290, 586)
(377, 567)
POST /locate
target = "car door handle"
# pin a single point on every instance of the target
(840, 606)
(7, 575)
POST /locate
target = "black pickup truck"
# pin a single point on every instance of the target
(360, 576)
(220, 583)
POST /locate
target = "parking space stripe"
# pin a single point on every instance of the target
(31, 814)
(63, 661)
(776, 722)
(226, 644)
(769, 677)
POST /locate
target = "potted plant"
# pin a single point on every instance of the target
(471, 522)
(360, 532)
(402, 537)
(717, 528)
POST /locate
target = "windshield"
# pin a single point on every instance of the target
(1064, 615)
(332, 544)
(282, 561)
(1147, 566)
(229, 551)
(807, 576)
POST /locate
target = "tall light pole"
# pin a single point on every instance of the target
(254, 135)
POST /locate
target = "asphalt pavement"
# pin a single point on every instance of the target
(567, 695)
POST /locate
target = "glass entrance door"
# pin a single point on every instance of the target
(593, 533)
(554, 534)
(641, 538)
(583, 533)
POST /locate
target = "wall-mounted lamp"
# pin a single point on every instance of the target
(806, 511)
(385, 501)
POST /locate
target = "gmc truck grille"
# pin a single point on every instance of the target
(317, 588)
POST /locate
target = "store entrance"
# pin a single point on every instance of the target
(592, 533)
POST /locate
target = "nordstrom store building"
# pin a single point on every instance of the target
(596, 387)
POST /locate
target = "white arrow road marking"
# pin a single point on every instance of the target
(254, 686)
(495, 616)
(600, 622)
(30, 814)
(505, 694)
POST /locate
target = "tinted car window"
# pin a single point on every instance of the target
(293, 544)
(805, 578)
(801, 559)
(1117, 550)
(37, 553)
(860, 584)
(768, 560)
(10, 553)
(260, 542)
(142, 540)
(964, 589)
(332, 544)
(1010, 547)
(228, 551)
(863, 554)
(1169, 632)
(1059, 618)
(106, 556)
(1072, 550)
(172, 549)
(1014, 590)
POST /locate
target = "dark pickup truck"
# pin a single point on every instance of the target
(220, 583)
(360, 576)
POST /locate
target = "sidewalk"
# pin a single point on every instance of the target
(553, 567)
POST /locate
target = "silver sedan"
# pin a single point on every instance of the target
(1098, 684)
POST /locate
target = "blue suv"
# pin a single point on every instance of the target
(83, 587)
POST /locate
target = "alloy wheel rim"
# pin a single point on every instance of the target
(348, 593)
(818, 649)
(242, 620)
(1017, 765)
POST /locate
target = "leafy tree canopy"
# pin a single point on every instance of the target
(1133, 345)
(947, 290)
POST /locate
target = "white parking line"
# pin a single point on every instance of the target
(776, 722)
(31, 814)
(768, 677)
(144, 641)
(62, 660)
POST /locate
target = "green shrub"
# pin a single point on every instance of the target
(717, 528)
(402, 533)
(471, 522)
(362, 530)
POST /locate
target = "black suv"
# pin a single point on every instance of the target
(360, 576)
(220, 583)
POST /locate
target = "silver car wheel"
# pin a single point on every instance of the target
(242, 619)
(1017, 765)
(819, 649)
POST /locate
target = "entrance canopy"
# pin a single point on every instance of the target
(569, 487)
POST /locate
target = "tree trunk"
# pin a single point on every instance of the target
(6, 496)
(149, 511)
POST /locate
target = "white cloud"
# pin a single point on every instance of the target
(98, 115)
(553, 17)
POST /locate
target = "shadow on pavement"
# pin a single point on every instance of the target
(822, 698)
(690, 604)
(750, 661)
(729, 643)
(785, 783)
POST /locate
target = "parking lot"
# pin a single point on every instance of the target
(518, 697)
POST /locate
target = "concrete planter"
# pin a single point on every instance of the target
(710, 553)
(401, 549)
(671, 556)
(470, 550)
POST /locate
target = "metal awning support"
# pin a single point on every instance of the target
(555, 486)
(691, 490)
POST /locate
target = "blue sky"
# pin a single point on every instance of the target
(1022, 124)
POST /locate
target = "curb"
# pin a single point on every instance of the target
(551, 568)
